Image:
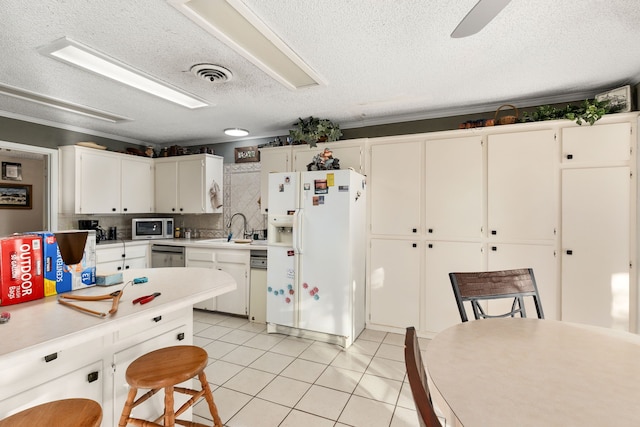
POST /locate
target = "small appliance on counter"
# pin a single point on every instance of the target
(93, 224)
(151, 228)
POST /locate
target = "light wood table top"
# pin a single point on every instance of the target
(530, 372)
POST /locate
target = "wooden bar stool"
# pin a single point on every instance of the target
(59, 413)
(164, 369)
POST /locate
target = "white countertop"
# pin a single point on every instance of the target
(219, 243)
(37, 323)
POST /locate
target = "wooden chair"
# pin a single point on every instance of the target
(491, 285)
(418, 380)
(59, 413)
(164, 369)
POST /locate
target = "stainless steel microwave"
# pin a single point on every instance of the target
(151, 228)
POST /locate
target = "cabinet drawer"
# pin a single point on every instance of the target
(599, 143)
(136, 251)
(36, 369)
(82, 382)
(109, 254)
(233, 256)
(152, 326)
(200, 255)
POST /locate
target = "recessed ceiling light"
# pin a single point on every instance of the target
(60, 104)
(236, 132)
(236, 25)
(82, 56)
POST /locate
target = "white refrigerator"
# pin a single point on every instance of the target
(316, 255)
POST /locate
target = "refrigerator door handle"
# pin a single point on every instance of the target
(297, 230)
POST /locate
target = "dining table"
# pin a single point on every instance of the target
(534, 372)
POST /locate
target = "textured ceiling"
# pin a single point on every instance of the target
(384, 61)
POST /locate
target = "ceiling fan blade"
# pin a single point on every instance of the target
(478, 17)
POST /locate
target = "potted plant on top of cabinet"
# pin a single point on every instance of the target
(313, 130)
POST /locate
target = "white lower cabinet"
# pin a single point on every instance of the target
(154, 407)
(82, 381)
(234, 262)
(596, 255)
(543, 260)
(123, 256)
(442, 258)
(394, 299)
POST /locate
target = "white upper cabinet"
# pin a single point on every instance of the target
(522, 188)
(453, 189)
(598, 144)
(350, 154)
(137, 174)
(395, 189)
(189, 184)
(274, 159)
(98, 182)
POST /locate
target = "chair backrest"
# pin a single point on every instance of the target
(488, 285)
(418, 380)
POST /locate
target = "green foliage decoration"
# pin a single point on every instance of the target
(589, 111)
(313, 130)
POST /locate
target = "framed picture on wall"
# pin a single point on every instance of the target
(15, 196)
(12, 171)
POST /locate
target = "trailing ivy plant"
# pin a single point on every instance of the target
(589, 111)
(314, 130)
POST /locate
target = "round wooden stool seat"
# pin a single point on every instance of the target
(165, 369)
(59, 413)
(166, 366)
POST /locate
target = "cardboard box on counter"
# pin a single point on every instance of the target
(60, 277)
(21, 269)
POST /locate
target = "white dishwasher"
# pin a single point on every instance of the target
(258, 289)
(167, 256)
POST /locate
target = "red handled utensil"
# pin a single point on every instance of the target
(146, 298)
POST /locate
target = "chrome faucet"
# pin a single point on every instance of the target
(244, 223)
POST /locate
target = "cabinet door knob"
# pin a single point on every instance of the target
(430, 230)
(569, 252)
(173, 209)
(113, 209)
(124, 209)
(494, 232)
(494, 248)
(415, 230)
(569, 156)
(415, 245)
(430, 246)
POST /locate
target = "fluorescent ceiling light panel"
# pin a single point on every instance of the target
(82, 56)
(60, 105)
(236, 25)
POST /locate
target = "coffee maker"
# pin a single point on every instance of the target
(93, 224)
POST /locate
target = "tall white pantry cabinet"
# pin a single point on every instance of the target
(554, 196)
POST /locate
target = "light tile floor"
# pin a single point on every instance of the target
(272, 380)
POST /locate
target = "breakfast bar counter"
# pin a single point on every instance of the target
(50, 351)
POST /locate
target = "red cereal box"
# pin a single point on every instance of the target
(21, 271)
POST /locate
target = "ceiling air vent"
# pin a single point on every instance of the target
(212, 73)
